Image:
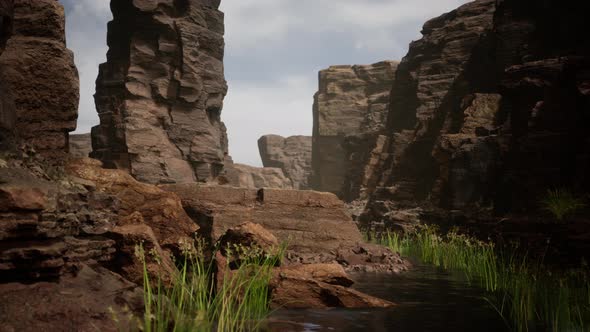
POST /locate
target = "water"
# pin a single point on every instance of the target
(428, 299)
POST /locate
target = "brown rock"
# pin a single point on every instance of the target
(160, 210)
(80, 145)
(159, 95)
(308, 221)
(84, 300)
(244, 176)
(318, 286)
(351, 101)
(39, 71)
(250, 235)
(291, 154)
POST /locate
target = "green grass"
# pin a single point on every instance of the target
(192, 302)
(526, 294)
(561, 203)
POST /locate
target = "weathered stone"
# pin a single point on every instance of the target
(39, 71)
(486, 112)
(159, 95)
(244, 176)
(161, 210)
(80, 145)
(318, 286)
(83, 300)
(308, 221)
(7, 110)
(351, 101)
(291, 154)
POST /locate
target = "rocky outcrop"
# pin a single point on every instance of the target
(245, 176)
(159, 95)
(350, 106)
(291, 154)
(7, 111)
(314, 226)
(318, 286)
(80, 145)
(39, 72)
(488, 111)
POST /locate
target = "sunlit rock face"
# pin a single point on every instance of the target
(350, 105)
(159, 95)
(38, 71)
(489, 109)
(292, 155)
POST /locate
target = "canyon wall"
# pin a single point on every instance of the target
(159, 95)
(292, 155)
(488, 111)
(348, 115)
(38, 71)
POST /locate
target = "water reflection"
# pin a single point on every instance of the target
(428, 299)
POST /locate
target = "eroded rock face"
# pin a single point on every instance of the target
(352, 101)
(39, 72)
(80, 145)
(291, 154)
(159, 95)
(314, 226)
(7, 111)
(245, 176)
(488, 111)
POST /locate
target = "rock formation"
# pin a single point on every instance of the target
(245, 176)
(7, 111)
(489, 110)
(39, 72)
(159, 95)
(80, 145)
(314, 225)
(348, 115)
(291, 154)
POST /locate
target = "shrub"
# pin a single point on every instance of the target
(561, 202)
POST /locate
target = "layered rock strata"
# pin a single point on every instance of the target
(350, 106)
(292, 155)
(314, 226)
(159, 95)
(80, 145)
(488, 111)
(38, 71)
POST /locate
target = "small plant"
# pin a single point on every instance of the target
(192, 302)
(561, 202)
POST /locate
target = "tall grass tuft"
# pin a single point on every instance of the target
(192, 302)
(561, 202)
(526, 294)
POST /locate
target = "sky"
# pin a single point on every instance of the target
(274, 50)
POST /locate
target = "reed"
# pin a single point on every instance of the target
(191, 302)
(526, 294)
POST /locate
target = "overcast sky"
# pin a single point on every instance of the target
(274, 49)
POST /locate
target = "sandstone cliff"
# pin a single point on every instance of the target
(80, 145)
(39, 72)
(350, 106)
(159, 95)
(488, 110)
(291, 154)
(245, 176)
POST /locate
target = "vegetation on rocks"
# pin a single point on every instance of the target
(562, 202)
(200, 300)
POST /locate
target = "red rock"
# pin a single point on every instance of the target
(39, 70)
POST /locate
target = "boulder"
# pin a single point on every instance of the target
(245, 176)
(291, 154)
(318, 286)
